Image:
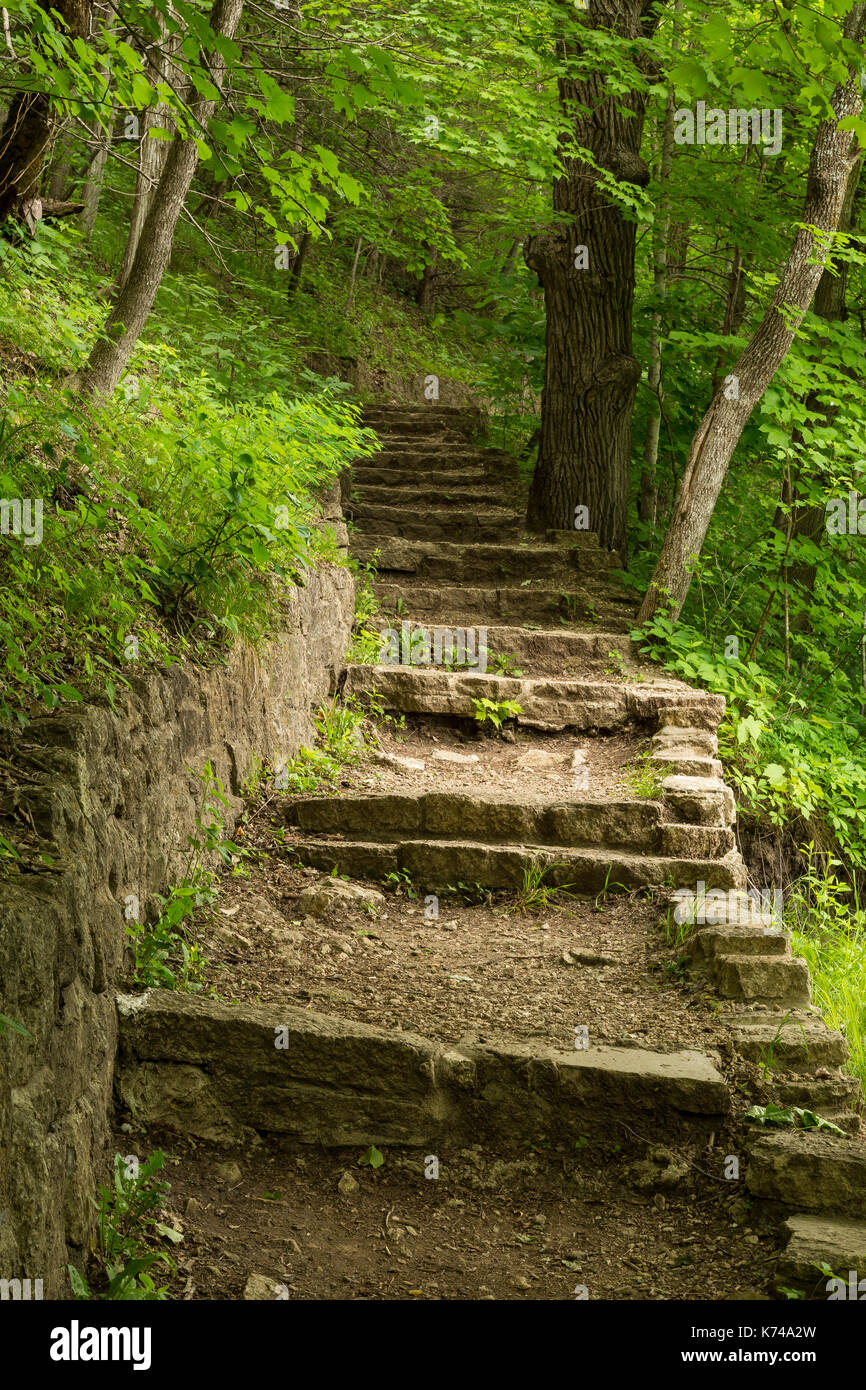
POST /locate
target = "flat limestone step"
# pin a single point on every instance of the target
(787, 1042)
(401, 481)
(814, 1241)
(460, 493)
(624, 824)
(493, 565)
(450, 523)
(632, 824)
(771, 979)
(546, 704)
(576, 598)
(216, 1071)
(835, 1098)
(810, 1171)
(434, 864)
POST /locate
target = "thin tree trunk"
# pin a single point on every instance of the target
(113, 348)
(832, 158)
(647, 502)
(152, 154)
(427, 286)
(297, 267)
(95, 172)
(351, 294)
(586, 265)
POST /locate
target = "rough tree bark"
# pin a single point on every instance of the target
(152, 153)
(28, 130)
(113, 347)
(591, 373)
(833, 156)
(647, 499)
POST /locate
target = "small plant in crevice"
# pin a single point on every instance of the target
(496, 712)
(644, 778)
(126, 1227)
(166, 953)
(794, 1115)
(473, 894)
(504, 664)
(401, 883)
(534, 895)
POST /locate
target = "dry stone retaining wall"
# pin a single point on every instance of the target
(113, 801)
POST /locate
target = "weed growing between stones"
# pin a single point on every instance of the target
(127, 1223)
(496, 711)
(167, 953)
(534, 895)
(644, 778)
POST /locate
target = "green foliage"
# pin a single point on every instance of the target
(373, 1158)
(127, 1223)
(166, 953)
(794, 1115)
(789, 763)
(496, 711)
(829, 931)
(176, 517)
(644, 778)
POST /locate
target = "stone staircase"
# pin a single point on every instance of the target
(438, 517)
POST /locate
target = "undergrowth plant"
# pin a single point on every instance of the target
(126, 1226)
(167, 953)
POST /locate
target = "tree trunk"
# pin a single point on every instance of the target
(296, 269)
(28, 130)
(427, 286)
(152, 154)
(585, 263)
(832, 158)
(96, 169)
(647, 501)
(113, 348)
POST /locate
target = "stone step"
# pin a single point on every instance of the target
(770, 979)
(624, 824)
(552, 651)
(403, 459)
(814, 1241)
(709, 944)
(402, 480)
(836, 1098)
(452, 523)
(433, 865)
(809, 1171)
(546, 704)
(499, 565)
(788, 1042)
(588, 602)
(212, 1070)
(461, 493)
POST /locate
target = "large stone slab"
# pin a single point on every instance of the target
(212, 1070)
(813, 1172)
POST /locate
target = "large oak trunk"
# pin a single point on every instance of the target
(591, 373)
